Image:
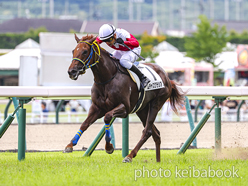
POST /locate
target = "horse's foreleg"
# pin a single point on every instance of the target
(119, 111)
(109, 148)
(94, 114)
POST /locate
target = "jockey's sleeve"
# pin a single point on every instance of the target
(131, 42)
(98, 40)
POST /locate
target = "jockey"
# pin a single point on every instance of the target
(115, 38)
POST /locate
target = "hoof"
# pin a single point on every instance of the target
(68, 150)
(127, 160)
(110, 151)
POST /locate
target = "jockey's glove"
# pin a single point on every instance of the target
(120, 41)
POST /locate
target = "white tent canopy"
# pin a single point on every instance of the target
(29, 43)
(165, 46)
(226, 60)
(11, 60)
(173, 59)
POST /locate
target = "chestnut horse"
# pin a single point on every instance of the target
(114, 94)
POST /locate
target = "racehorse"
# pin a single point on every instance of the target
(114, 93)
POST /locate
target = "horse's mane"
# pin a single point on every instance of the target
(87, 37)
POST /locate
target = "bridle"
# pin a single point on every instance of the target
(87, 61)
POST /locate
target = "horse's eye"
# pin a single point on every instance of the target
(85, 52)
(72, 51)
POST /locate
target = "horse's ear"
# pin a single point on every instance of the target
(76, 37)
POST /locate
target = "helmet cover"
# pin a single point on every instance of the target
(106, 31)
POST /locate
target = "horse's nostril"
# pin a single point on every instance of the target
(72, 72)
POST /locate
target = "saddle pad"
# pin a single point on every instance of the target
(155, 80)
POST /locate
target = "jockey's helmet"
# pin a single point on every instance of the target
(106, 31)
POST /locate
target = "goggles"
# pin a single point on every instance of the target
(108, 40)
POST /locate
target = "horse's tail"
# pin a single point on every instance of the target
(177, 97)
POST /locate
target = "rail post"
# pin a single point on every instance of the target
(194, 133)
(96, 141)
(58, 107)
(16, 104)
(125, 136)
(6, 124)
(21, 134)
(218, 99)
(22, 128)
(238, 110)
(191, 121)
(7, 108)
(196, 109)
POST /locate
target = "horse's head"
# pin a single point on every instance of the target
(82, 56)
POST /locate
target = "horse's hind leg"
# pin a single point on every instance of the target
(155, 132)
(157, 139)
(119, 111)
(148, 116)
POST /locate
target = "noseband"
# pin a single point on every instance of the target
(92, 50)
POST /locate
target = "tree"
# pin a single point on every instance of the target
(10, 40)
(206, 42)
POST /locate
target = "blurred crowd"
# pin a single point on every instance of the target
(229, 109)
(41, 108)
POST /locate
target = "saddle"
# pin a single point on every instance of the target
(155, 80)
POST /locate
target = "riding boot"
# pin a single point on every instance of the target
(144, 80)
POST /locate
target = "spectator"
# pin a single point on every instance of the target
(36, 111)
(74, 105)
(44, 112)
(193, 104)
(209, 104)
(232, 105)
(43, 107)
(224, 110)
(183, 113)
(49, 105)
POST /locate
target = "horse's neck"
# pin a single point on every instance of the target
(105, 69)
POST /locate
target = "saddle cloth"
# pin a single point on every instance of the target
(155, 83)
(155, 80)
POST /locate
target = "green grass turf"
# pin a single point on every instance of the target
(56, 168)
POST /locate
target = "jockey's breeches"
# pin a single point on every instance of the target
(127, 58)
